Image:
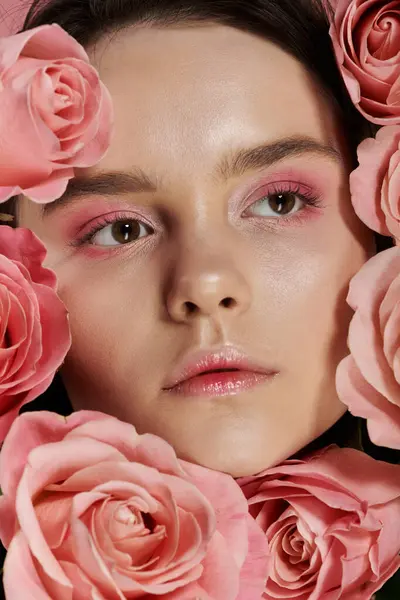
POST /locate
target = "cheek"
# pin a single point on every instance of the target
(109, 315)
(304, 284)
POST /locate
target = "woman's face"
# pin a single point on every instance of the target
(231, 224)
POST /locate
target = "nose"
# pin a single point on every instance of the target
(207, 283)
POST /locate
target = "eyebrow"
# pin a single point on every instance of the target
(232, 165)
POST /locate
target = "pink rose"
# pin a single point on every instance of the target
(332, 522)
(366, 39)
(34, 328)
(375, 184)
(91, 509)
(55, 113)
(368, 380)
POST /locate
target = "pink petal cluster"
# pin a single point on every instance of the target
(366, 39)
(375, 184)
(56, 114)
(332, 522)
(34, 328)
(368, 380)
(91, 509)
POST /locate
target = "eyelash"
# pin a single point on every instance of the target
(304, 194)
(100, 224)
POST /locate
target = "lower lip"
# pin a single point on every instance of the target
(220, 384)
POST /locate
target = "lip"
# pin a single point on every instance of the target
(222, 371)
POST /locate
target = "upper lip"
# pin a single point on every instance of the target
(224, 358)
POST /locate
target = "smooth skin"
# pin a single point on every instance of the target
(210, 254)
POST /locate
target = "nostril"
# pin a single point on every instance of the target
(191, 307)
(228, 302)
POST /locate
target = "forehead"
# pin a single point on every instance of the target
(185, 95)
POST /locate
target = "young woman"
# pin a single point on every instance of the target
(217, 234)
(205, 261)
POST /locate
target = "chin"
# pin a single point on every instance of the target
(242, 467)
(238, 461)
(251, 452)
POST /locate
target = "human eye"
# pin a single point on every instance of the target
(283, 200)
(113, 230)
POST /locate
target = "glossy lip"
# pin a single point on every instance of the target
(221, 359)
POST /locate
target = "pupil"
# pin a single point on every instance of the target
(282, 203)
(124, 231)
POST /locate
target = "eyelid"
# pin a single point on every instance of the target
(89, 230)
(124, 214)
(286, 175)
(270, 186)
(313, 205)
(305, 192)
(265, 187)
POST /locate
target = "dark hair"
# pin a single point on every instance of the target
(300, 27)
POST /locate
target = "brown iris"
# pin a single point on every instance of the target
(282, 204)
(124, 232)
